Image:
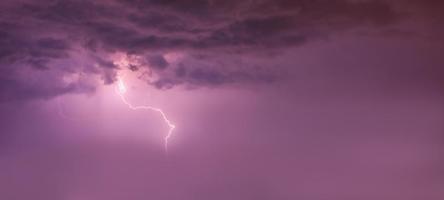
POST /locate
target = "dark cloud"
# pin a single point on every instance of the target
(195, 77)
(13, 90)
(160, 22)
(210, 77)
(17, 88)
(133, 67)
(39, 34)
(157, 62)
(67, 12)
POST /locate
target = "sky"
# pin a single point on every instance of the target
(270, 99)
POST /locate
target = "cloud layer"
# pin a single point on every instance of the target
(191, 43)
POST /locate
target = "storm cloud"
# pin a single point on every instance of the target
(211, 36)
(270, 99)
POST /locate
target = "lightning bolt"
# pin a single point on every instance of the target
(121, 90)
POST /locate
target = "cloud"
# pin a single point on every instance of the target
(211, 35)
(157, 62)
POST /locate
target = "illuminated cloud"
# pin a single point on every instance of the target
(211, 34)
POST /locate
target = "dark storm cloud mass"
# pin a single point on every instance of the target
(39, 34)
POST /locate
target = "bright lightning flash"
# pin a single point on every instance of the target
(121, 90)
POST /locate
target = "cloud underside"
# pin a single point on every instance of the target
(192, 43)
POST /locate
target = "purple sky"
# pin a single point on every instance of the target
(272, 99)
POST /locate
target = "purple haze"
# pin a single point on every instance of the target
(272, 99)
